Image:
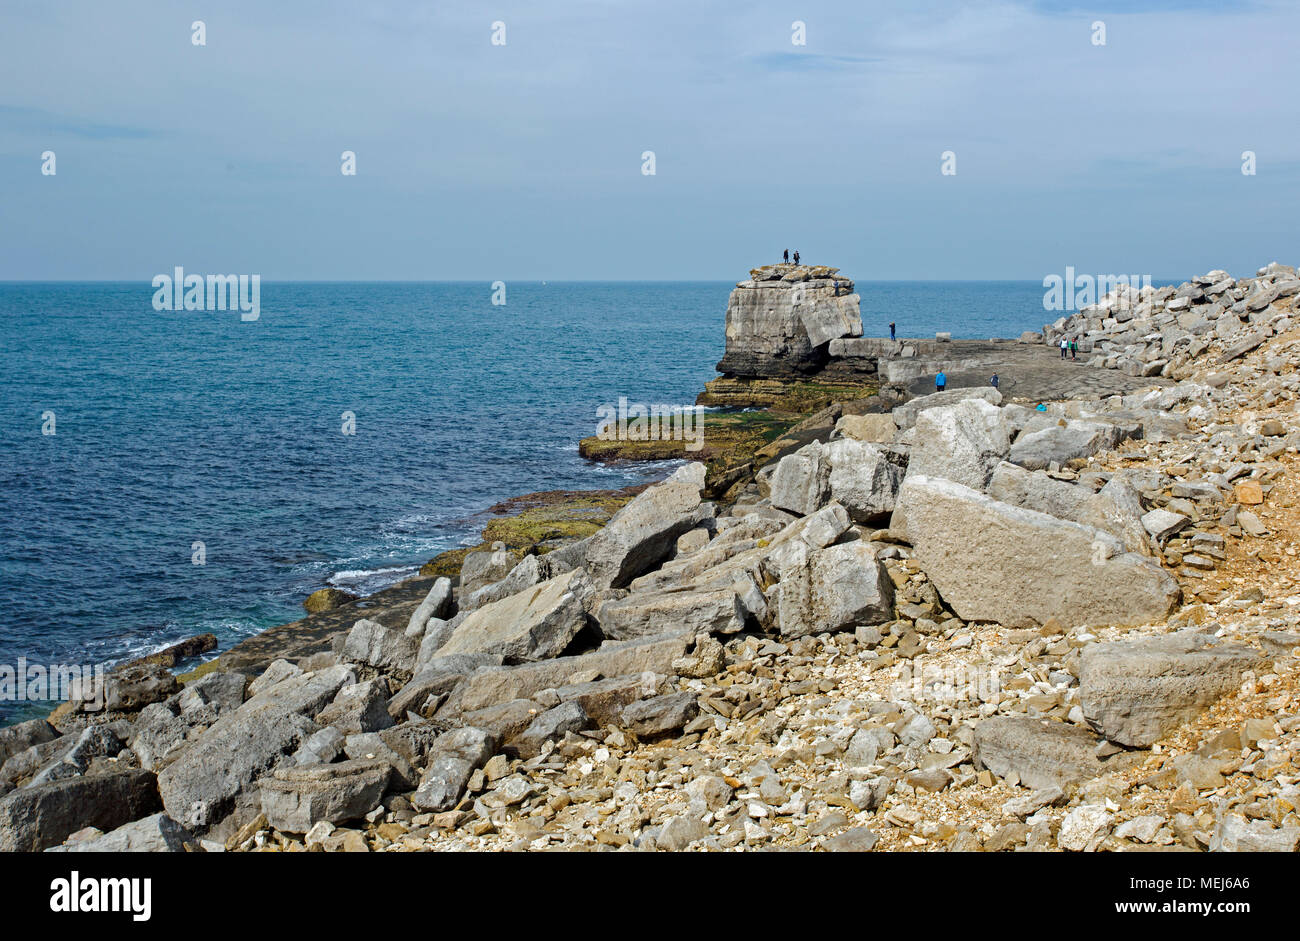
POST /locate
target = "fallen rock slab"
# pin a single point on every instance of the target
(455, 756)
(371, 643)
(838, 588)
(962, 442)
(991, 561)
(22, 736)
(875, 428)
(604, 700)
(1042, 753)
(486, 687)
(640, 615)
(1039, 450)
(535, 624)
(864, 479)
(905, 415)
(1134, 692)
(1115, 509)
(157, 833)
(436, 604)
(199, 788)
(294, 799)
(644, 532)
(801, 481)
(34, 818)
(662, 714)
(551, 724)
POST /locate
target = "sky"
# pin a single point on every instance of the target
(477, 161)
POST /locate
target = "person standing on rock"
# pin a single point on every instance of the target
(787, 256)
(1065, 345)
(796, 256)
(994, 381)
(891, 331)
(940, 381)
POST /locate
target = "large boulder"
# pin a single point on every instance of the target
(361, 707)
(661, 714)
(29, 761)
(437, 678)
(487, 687)
(873, 427)
(126, 688)
(788, 550)
(200, 787)
(327, 599)
(530, 571)
(484, 567)
(295, 799)
(371, 746)
(739, 553)
(1057, 444)
(212, 694)
(163, 729)
(371, 643)
(837, 588)
(159, 735)
(550, 725)
(962, 442)
(864, 479)
(603, 700)
(436, 604)
(718, 611)
(800, 482)
(157, 833)
(991, 561)
(1134, 692)
(95, 741)
(20, 737)
(33, 818)
(1040, 752)
(905, 415)
(455, 756)
(535, 624)
(1115, 509)
(644, 532)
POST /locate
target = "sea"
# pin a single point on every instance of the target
(169, 473)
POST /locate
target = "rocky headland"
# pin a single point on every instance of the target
(1055, 616)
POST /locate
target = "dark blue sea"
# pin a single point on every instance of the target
(177, 428)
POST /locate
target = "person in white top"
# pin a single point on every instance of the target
(1064, 346)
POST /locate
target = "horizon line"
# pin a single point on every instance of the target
(547, 280)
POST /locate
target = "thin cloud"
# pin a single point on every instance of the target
(811, 62)
(37, 120)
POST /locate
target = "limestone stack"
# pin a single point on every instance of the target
(780, 321)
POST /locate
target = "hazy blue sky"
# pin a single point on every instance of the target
(477, 161)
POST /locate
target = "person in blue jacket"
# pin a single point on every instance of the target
(940, 381)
